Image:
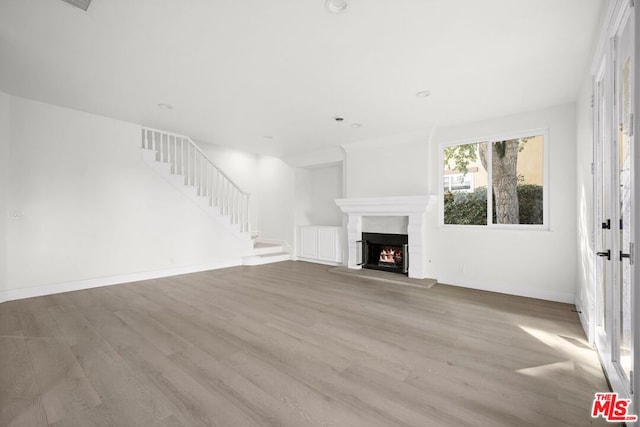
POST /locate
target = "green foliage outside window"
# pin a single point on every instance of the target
(471, 208)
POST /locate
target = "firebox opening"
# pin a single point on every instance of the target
(388, 252)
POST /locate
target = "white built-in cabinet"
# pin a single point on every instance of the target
(320, 244)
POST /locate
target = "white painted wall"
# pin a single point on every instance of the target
(326, 186)
(92, 207)
(303, 200)
(276, 200)
(390, 166)
(315, 158)
(540, 264)
(4, 185)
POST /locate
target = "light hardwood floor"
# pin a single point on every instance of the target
(291, 344)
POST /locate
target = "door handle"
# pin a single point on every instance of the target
(607, 254)
(628, 255)
(405, 260)
(362, 259)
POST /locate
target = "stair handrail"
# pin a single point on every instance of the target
(195, 166)
(197, 147)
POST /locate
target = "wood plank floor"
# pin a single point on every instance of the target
(290, 344)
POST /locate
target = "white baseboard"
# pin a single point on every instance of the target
(317, 261)
(568, 298)
(56, 288)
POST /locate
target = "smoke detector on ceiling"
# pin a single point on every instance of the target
(80, 4)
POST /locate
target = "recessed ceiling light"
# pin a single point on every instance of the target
(423, 94)
(356, 125)
(336, 6)
(165, 106)
(338, 118)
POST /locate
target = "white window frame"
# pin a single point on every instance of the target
(544, 132)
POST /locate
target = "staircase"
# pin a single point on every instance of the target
(183, 164)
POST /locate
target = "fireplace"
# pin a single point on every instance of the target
(387, 252)
(413, 207)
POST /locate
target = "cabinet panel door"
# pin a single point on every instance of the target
(309, 242)
(328, 244)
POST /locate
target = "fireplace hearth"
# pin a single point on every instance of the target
(387, 252)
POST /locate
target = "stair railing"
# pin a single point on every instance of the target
(188, 160)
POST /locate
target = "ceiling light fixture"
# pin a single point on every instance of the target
(338, 119)
(165, 106)
(336, 6)
(356, 125)
(423, 94)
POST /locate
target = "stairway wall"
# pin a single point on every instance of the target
(92, 208)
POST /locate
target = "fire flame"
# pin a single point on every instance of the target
(390, 255)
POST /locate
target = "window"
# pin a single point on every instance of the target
(509, 168)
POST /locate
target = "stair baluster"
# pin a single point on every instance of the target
(188, 160)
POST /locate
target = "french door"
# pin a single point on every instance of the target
(613, 88)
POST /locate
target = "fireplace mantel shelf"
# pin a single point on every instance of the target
(387, 206)
(413, 207)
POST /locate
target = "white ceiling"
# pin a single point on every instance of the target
(237, 71)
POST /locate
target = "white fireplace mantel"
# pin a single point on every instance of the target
(413, 207)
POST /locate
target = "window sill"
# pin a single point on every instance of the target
(493, 227)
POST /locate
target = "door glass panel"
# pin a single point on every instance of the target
(624, 165)
(601, 190)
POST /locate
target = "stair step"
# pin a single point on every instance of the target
(266, 259)
(263, 244)
(264, 248)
